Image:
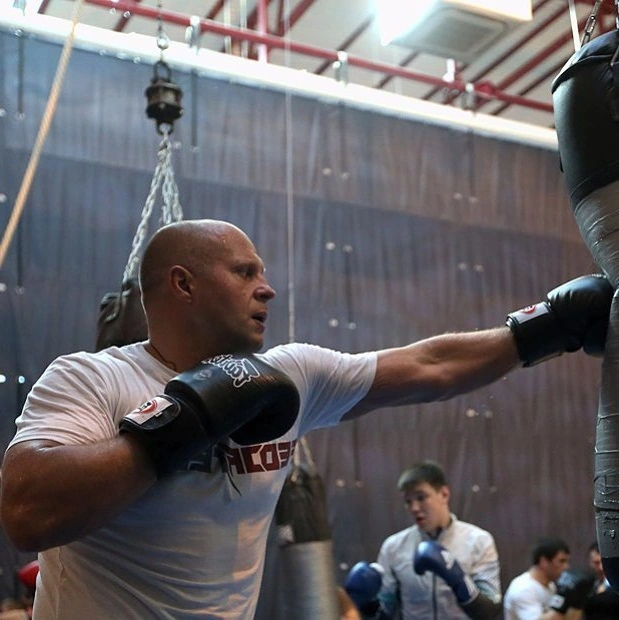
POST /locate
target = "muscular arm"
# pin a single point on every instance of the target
(572, 614)
(52, 494)
(439, 368)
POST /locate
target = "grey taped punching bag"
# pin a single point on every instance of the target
(586, 106)
(306, 549)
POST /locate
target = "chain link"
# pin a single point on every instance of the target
(163, 41)
(171, 210)
(591, 22)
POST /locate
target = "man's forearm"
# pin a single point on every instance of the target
(571, 614)
(482, 608)
(53, 494)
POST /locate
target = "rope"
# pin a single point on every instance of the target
(302, 453)
(574, 25)
(290, 206)
(46, 122)
(171, 210)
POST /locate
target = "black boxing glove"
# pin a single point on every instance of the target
(228, 395)
(573, 316)
(573, 588)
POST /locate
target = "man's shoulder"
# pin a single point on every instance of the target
(110, 356)
(295, 348)
(464, 527)
(304, 352)
(106, 364)
(521, 583)
(396, 539)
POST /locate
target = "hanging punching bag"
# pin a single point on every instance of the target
(306, 549)
(586, 108)
(121, 317)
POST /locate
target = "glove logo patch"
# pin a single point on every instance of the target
(154, 407)
(447, 558)
(530, 312)
(240, 370)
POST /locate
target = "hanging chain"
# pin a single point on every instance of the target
(163, 177)
(171, 209)
(591, 22)
(163, 41)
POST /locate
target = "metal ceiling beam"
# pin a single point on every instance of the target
(43, 7)
(514, 48)
(218, 6)
(286, 23)
(355, 34)
(272, 41)
(522, 42)
(525, 91)
(122, 22)
(403, 63)
(557, 44)
(259, 21)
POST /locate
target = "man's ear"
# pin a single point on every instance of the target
(181, 281)
(446, 493)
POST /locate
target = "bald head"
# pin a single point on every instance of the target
(194, 244)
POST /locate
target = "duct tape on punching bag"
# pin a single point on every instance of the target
(586, 105)
(306, 548)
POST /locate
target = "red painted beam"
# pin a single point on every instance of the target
(514, 48)
(356, 33)
(272, 41)
(43, 7)
(542, 78)
(122, 22)
(403, 63)
(286, 23)
(212, 14)
(557, 44)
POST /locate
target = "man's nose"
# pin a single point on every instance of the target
(265, 292)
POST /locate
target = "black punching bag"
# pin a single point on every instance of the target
(586, 108)
(306, 548)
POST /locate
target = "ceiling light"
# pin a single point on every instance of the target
(458, 29)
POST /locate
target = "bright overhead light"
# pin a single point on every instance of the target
(458, 29)
(517, 10)
(396, 17)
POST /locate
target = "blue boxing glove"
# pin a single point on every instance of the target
(363, 584)
(430, 556)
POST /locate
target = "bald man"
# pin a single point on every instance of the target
(119, 538)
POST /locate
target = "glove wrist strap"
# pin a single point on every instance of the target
(559, 603)
(536, 332)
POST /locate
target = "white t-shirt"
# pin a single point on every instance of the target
(526, 598)
(193, 545)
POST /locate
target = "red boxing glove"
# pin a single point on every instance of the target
(27, 574)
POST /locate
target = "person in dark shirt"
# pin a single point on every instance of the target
(603, 603)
